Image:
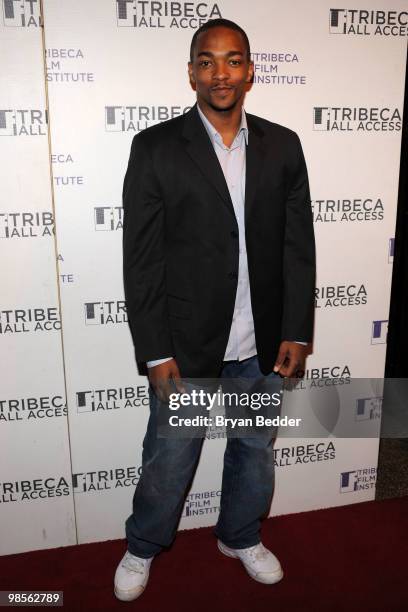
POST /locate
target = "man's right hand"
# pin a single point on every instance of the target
(160, 377)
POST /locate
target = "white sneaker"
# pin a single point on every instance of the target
(259, 562)
(131, 576)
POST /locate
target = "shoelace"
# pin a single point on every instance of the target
(133, 566)
(258, 553)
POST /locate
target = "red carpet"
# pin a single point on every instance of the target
(350, 558)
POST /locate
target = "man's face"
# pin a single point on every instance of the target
(220, 70)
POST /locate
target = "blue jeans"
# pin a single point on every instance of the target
(168, 467)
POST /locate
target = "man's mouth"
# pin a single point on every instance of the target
(221, 88)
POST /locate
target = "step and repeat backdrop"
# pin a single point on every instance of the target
(78, 80)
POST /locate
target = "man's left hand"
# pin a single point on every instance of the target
(290, 359)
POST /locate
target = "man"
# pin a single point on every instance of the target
(219, 270)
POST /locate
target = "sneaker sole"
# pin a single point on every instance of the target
(274, 578)
(127, 595)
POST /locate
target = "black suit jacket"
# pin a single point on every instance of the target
(181, 247)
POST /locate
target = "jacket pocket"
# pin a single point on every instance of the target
(179, 307)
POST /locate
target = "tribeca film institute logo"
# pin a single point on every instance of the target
(164, 14)
(61, 64)
(61, 167)
(367, 23)
(358, 480)
(268, 68)
(21, 13)
(202, 502)
(356, 119)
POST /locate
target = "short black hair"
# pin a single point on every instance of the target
(219, 23)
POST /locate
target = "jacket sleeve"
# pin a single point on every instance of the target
(144, 265)
(299, 265)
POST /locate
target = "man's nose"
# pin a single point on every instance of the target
(221, 71)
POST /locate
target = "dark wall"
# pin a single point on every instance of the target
(397, 344)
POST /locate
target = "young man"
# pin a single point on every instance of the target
(219, 271)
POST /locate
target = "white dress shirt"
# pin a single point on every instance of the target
(241, 343)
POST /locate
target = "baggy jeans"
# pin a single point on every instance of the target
(168, 467)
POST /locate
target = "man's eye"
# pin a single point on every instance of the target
(235, 62)
(204, 63)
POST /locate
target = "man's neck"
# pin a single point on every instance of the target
(225, 122)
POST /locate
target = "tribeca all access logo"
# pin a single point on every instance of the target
(26, 224)
(33, 489)
(348, 210)
(27, 408)
(137, 118)
(368, 23)
(21, 13)
(20, 320)
(114, 398)
(356, 119)
(104, 313)
(108, 218)
(103, 480)
(23, 122)
(327, 372)
(379, 332)
(358, 480)
(333, 296)
(391, 246)
(304, 453)
(164, 14)
(368, 408)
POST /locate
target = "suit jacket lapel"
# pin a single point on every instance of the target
(201, 151)
(255, 154)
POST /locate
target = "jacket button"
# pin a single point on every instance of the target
(232, 275)
(234, 234)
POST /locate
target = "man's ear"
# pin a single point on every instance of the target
(191, 76)
(250, 72)
(190, 72)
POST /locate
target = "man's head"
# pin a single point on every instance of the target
(220, 66)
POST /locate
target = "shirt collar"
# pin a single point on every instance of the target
(212, 132)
